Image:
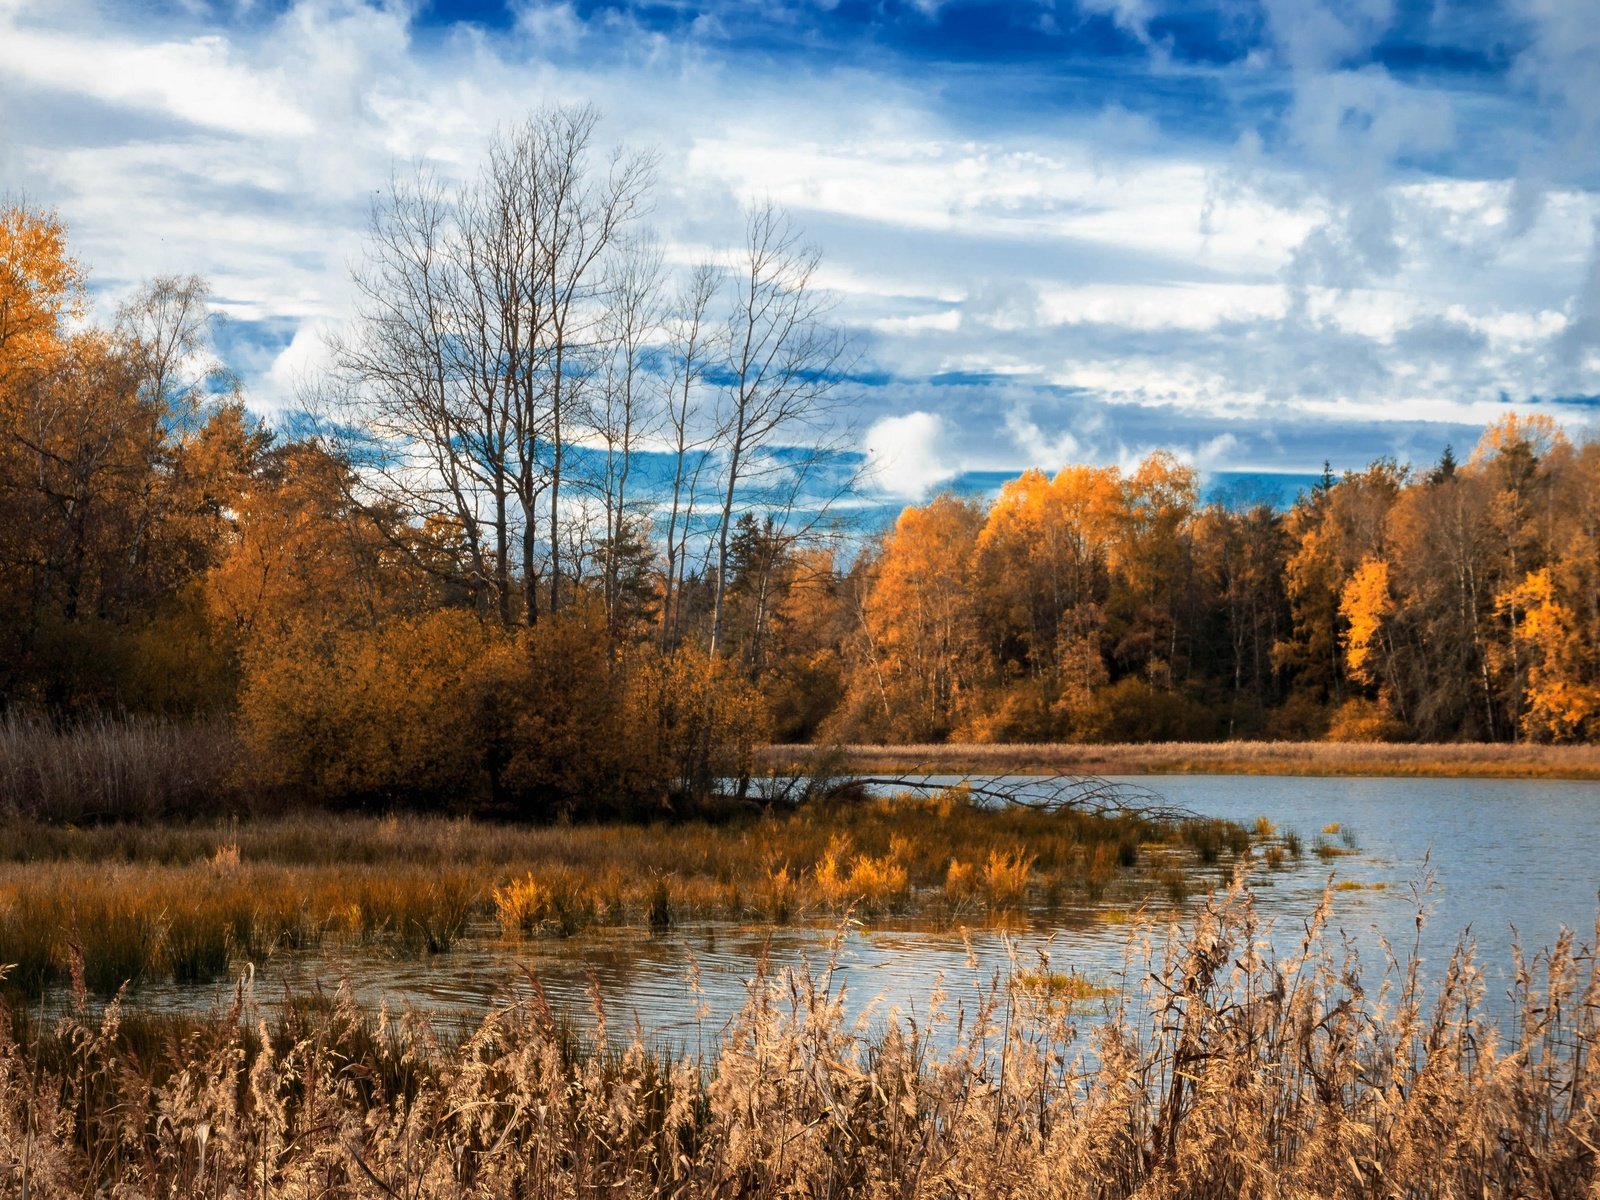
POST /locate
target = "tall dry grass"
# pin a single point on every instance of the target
(1215, 1072)
(113, 768)
(1479, 759)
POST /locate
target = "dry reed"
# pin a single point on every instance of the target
(110, 768)
(1215, 1072)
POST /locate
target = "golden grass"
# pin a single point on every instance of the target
(1469, 759)
(1218, 1072)
(182, 902)
(116, 923)
(1065, 988)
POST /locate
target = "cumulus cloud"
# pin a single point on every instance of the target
(910, 455)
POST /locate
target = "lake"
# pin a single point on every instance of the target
(1502, 856)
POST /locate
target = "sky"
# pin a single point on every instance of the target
(1258, 233)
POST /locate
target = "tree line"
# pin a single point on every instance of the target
(557, 526)
(1457, 603)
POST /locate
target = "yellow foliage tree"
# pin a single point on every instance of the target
(1042, 575)
(41, 288)
(1563, 702)
(299, 551)
(1364, 603)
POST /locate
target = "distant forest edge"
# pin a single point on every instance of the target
(454, 583)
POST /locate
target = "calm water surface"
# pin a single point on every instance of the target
(1502, 859)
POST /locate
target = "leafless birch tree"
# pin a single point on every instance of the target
(784, 364)
(690, 437)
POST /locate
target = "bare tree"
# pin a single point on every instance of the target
(167, 328)
(406, 381)
(689, 439)
(165, 332)
(578, 215)
(626, 406)
(784, 363)
(478, 325)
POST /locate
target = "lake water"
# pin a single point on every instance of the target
(1506, 859)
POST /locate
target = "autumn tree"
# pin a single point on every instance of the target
(1331, 528)
(917, 644)
(41, 289)
(1042, 579)
(1153, 559)
(1240, 554)
(301, 553)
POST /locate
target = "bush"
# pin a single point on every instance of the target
(700, 721)
(1020, 712)
(544, 723)
(1361, 720)
(1132, 710)
(381, 714)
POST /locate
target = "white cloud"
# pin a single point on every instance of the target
(908, 456)
(1050, 450)
(197, 80)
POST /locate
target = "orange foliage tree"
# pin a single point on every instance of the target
(918, 642)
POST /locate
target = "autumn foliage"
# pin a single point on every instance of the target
(1461, 603)
(166, 555)
(541, 722)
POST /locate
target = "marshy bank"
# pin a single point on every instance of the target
(1210, 1070)
(1477, 760)
(180, 902)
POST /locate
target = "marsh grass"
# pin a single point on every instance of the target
(181, 902)
(1215, 1070)
(129, 923)
(1452, 759)
(1058, 987)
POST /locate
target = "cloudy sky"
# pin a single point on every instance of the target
(1258, 233)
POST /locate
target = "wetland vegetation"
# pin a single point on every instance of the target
(1446, 760)
(113, 903)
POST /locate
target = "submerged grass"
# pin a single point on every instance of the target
(139, 902)
(1217, 1071)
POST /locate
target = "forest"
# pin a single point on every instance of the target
(559, 525)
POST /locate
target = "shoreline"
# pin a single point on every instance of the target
(1449, 760)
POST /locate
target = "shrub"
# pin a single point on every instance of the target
(699, 719)
(1361, 720)
(543, 723)
(368, 714)
(1132, 710)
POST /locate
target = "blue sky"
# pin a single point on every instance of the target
(1259, 234)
